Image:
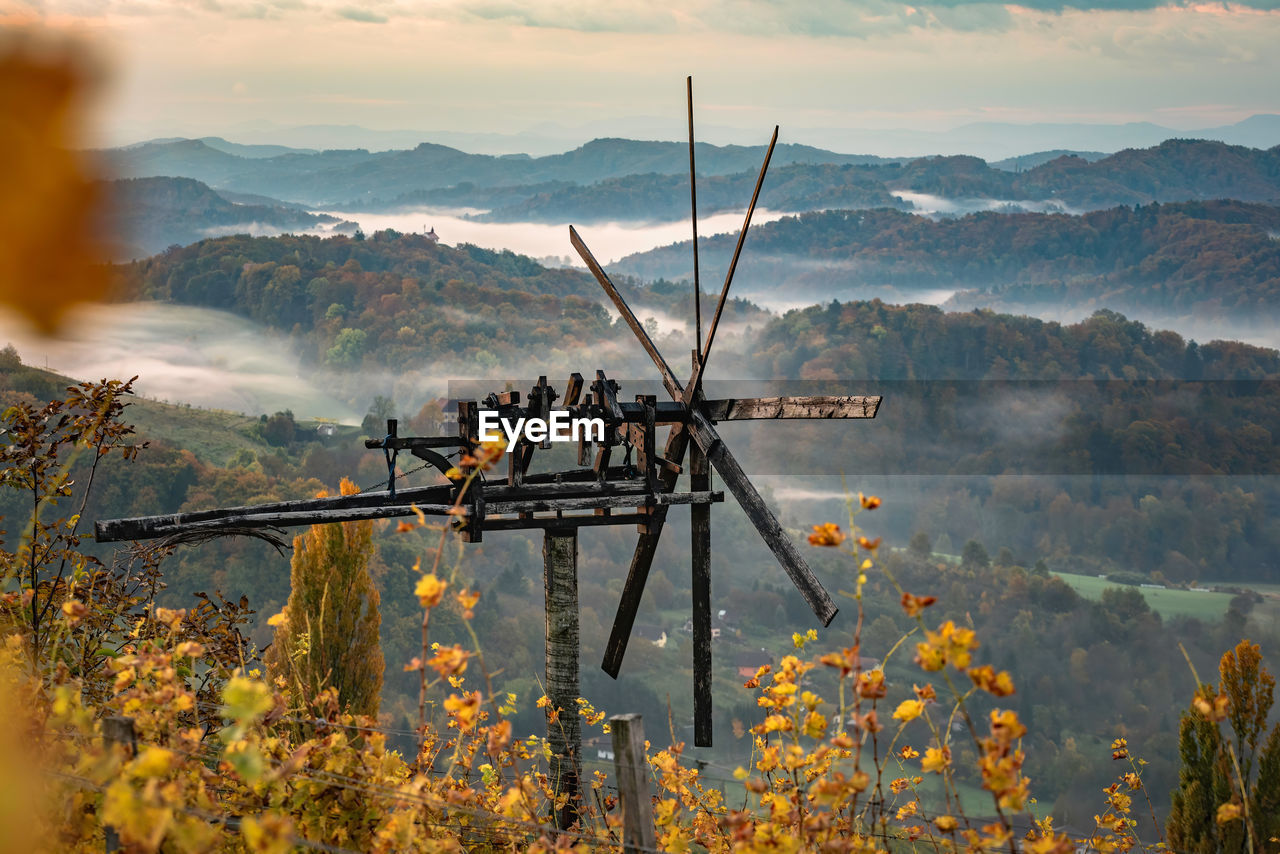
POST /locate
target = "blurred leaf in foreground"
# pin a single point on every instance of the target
(49, 255)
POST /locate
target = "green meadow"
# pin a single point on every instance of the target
(1167, 603)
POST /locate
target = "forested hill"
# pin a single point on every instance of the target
(1216, 259)
(1174, 170)
(1126, 447)
(982, 393)
(394, 298)
(150, 214)
(338, 176)
(797, 187)
(876, 341)
(400, 299)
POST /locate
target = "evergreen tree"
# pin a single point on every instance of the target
(975, 556)
(920, 546)
(1235, 767)
(327, 636)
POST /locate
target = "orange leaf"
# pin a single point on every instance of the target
(49, 258)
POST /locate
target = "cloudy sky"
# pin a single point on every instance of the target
(190, 67)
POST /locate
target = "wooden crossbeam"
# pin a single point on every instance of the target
(538, 486)
(510, 502)
(807, 407)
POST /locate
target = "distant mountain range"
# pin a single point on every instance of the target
(358, 176)
(1003, 140)
(989, 140)
(632, 180)
(151, 214)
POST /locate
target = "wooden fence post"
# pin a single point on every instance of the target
(118, 729)
(631, 768)
(564, 731)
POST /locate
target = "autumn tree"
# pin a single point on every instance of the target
(327, 635)
(1228, 797)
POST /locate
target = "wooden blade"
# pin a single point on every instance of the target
(733, 265)
(668, 378)
(693, 218)
(701, 431)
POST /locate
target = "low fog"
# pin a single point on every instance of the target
(607, 241)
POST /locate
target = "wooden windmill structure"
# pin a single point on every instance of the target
(601, 490)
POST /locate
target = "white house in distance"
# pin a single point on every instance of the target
(653, 634)
(431, 235)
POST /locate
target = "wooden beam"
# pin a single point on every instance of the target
(700, 541)
(810, 407)
(631, 770)
(578, 483)
(573, 389)
(564, 733)
(161, 526)
(607, 395)
(535, 523)
(546, 505)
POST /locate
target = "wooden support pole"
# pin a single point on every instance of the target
(631, 769)
(700, 518)
(564, 733)
(118, 729)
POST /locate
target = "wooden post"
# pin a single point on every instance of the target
(700, 519)
(564, 733)
(631, 768)
(118, 730)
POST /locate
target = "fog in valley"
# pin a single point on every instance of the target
(608, 241)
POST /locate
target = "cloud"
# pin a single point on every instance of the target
(811, 18)
(364, 16)
(760, 18)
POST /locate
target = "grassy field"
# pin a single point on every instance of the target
(213, 435)
(1168, 603)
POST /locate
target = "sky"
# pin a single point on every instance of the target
(566, 67)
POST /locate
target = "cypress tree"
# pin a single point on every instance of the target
(1210, 758)
(327, 636)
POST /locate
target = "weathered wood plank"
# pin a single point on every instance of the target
(631, 496)
(700, 539)
(762, 518)
(573, 389)
(541, 522)
(607, 396)
(592, 502)
(809, 407)
(564, 733)
(147, 527)
(631, 770)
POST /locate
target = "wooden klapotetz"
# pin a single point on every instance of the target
(604, 489)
